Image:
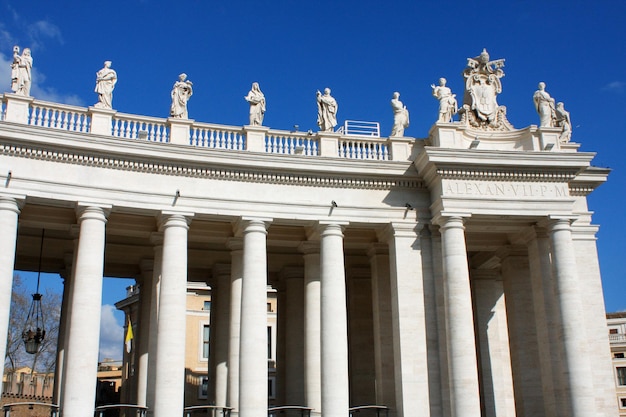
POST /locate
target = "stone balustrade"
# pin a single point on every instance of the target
(29, 111)
(131, 126)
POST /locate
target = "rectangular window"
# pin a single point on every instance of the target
(203, 389)
(612, 331)
(269, 307)
(622, 402)
(619, 355)
(207, 306)
(205, 341)
(621, 375)
(269, 342)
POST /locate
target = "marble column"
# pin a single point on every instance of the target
(462, 360)
(169, 387)
(68, 296)
(236, 275)
(143, 330)
(522, 336)
(9, 211)
(312, 317)
(155, 285)
(220, 309)
(409, 320)
(294, 335)
(578, 375)
(546, 322)
(383, 328)
(63, 319)
(432, 328)
(83, 333)
(252, 357)
(493, 339)
(334, 346)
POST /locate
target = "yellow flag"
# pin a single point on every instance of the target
(129, 335)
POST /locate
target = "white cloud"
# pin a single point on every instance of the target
(41, 30)
(111, 334)
(615, 86)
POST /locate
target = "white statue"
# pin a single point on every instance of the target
(181, 92)
(326, 111)
(257, 105)
(563, 121)
(21, 71)
(447, 101)
(544, 104)
(400, 116)
(105, 83)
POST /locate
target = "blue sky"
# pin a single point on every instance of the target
(363, 50)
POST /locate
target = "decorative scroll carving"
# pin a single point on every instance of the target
(482, 86)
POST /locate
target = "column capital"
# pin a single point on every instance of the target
(234, 243)
(396, 229)
(246, 224)
(156, 238)
(554, 223)
(442, 219)
(309, 247)
(93, 211)
(452, 222)
(376, 249)
(174, 219)
(331, 228)
(12, 204)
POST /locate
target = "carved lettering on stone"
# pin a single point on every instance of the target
(504, 189)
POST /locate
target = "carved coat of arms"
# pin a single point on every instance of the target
(482, 86)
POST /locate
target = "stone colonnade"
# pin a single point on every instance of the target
(423, 304)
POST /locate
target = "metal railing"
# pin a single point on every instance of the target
(140, 411)
(208, 409)
(360, 128)
(368, 410)
(289, 410)
(54, 409)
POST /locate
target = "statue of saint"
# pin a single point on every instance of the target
(105, 83)
(181, 92)
(447, 101)
(21, 71)
(256, 98)
(400, 116)
(326, 111)
(562, 120)
(544, 104)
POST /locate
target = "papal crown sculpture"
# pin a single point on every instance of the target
(482, 86)
(480, 110)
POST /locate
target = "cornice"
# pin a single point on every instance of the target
(279, 169)
(495, 174)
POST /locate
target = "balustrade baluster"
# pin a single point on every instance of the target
(71, 124)
(239, 141)
(46, 118)
(34, 114)
(229, 143)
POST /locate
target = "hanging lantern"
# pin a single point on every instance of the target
(34, 331)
